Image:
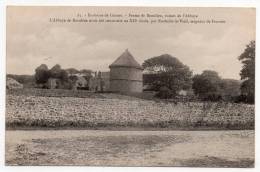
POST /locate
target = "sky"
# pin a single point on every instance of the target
(33, 40)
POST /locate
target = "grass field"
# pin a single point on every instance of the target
(51, 110)
(131, 148)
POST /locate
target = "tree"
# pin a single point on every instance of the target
(230, 88)
(207, 85)
(57, 72)
(72, 71)
(247, 72)
(168, 72)
(85, 71)
(64, 77)
(42, 74)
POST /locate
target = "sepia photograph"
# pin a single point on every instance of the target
(130, 86)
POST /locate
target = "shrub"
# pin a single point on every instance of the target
(165, 93)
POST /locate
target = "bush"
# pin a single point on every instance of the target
(165, 93)
(244, 99)
(213, 97)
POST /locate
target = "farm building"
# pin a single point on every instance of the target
(13, 84)
(126, 74)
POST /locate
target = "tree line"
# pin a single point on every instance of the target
(167, 76)
(66, 77)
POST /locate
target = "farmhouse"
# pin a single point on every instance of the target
(126, 74)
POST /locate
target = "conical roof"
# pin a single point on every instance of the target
(126, 60)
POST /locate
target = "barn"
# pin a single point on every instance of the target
(126, 74)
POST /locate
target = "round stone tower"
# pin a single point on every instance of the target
(126, 74)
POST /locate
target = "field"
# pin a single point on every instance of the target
(81, 109)
(131, 148)
(59, 127)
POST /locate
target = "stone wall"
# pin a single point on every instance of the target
(126, 79)
(126, 86)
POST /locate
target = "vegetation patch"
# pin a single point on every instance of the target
(58, 112)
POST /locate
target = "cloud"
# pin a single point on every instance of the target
(31, 38)
(65, 47)
(216, 53)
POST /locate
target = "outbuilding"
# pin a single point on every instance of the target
(126, 74)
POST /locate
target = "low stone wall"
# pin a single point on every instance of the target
(34, 111)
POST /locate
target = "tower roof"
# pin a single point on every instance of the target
(126, 60)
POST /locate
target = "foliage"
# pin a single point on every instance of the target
(73, 78)
(42, 74)
(86, 71)
(72, 71)
(165, 93)
(63, 76)
(167, 71)
(247, 72)
(230, 89)
(207, 85)
(57, 72)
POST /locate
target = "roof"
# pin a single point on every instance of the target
(126, 60)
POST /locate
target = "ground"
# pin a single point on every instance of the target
(63, 127)
(231, 148)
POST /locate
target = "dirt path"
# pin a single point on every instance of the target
(131, 148)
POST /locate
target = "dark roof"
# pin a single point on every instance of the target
(126, 60)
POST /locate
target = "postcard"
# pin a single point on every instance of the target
(130, 86)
